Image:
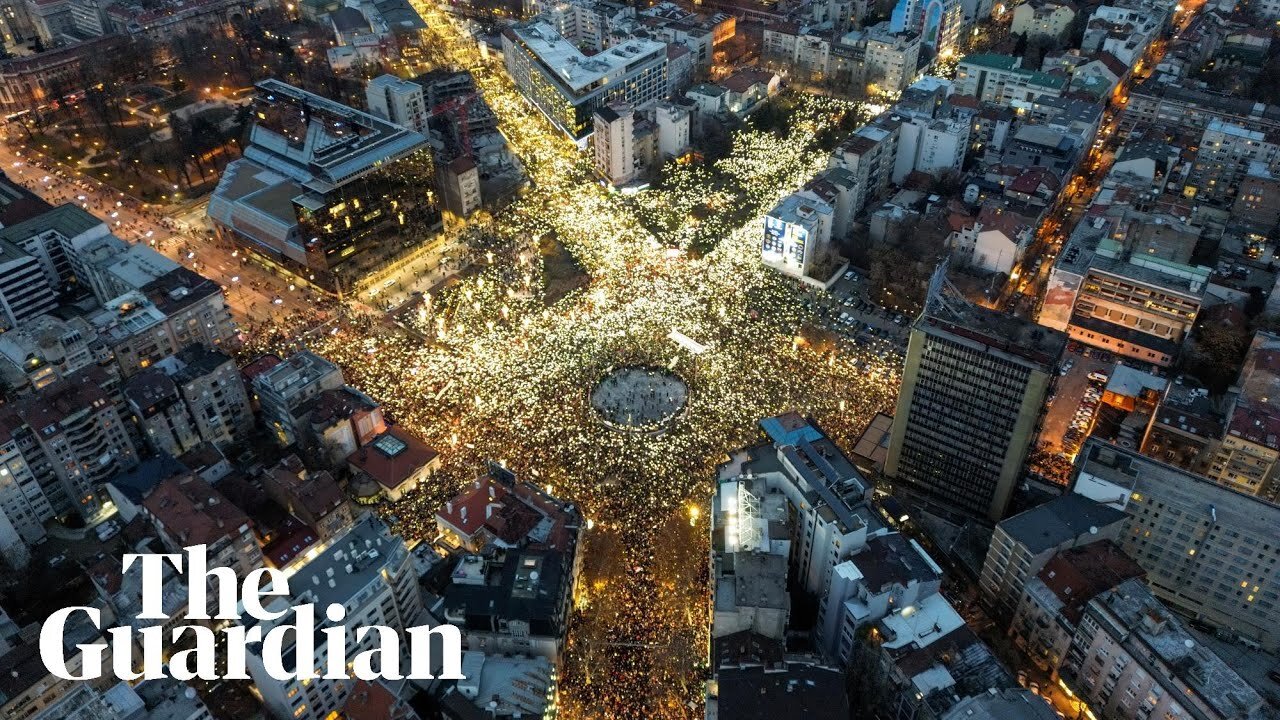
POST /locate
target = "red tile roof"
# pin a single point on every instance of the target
(291, 539)
(194, 513)
(746, 78)
(508, 514)
(391, 469)
(372, 701)
(1078, 575)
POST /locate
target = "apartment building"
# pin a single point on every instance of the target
(1001, 80)
(512, 586)
(1131, 659)
(614, 143)
(1246, 458)
(1226, 155)
(312, 496)
(1043, 19)
(816, 477)
(869, 154)
(285, 389)
(73, 439)
(47, 349)
(178, 309)
(1053, 602)
(797, 234)
(751, 545)
(1209, 551)
(970, 405)
(186, 510)
(403, 102)
(341, 421)
(1024, 543)
(1162, 101)
(886, 574)
(25, 290)
(370, 573)
(193, 397)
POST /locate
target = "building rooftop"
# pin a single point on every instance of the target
(314, 492)
(192, 512)
(392, 457)
(752, 579)
(500, 686)
(574, 69)
(1058, 521)
(997, 331)
(797, 689)
(1077, 575)
(1112, 475)
(67, 220)
(892, 559)
(167, 699)
(289, 541)
(1007, 704)
(350, 563)
(918, 626)
(1131, 382)
(1197, 669)
(320, 143)
(525, 585)
(1009, 63)
(512, 513)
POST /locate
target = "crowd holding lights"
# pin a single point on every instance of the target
(486, 369)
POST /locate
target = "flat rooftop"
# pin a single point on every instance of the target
(1000, 331)
(576, 69)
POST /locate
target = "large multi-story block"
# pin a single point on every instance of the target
(797, 234)
(193, 397)
(1002, 80)
(284, 390)
(73, 439)
(1124, 284)
(371, 574)
(1248, 457)
(1024, 543)
(1130, 659)
(869, 154)
(1053, 601)
(1226, 155)
(326, 190)
(972, 396)
(569, 87)
(1209, 551)
(512, 586)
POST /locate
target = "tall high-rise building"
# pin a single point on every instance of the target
(937, 21)
(973, 392)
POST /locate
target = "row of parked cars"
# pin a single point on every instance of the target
(1085, 413)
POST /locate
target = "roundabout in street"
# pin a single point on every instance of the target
(639, 399)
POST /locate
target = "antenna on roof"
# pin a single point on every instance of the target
(938, 298)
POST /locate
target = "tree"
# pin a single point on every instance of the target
(1216, 354)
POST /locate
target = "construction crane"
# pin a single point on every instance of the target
(459, 108)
